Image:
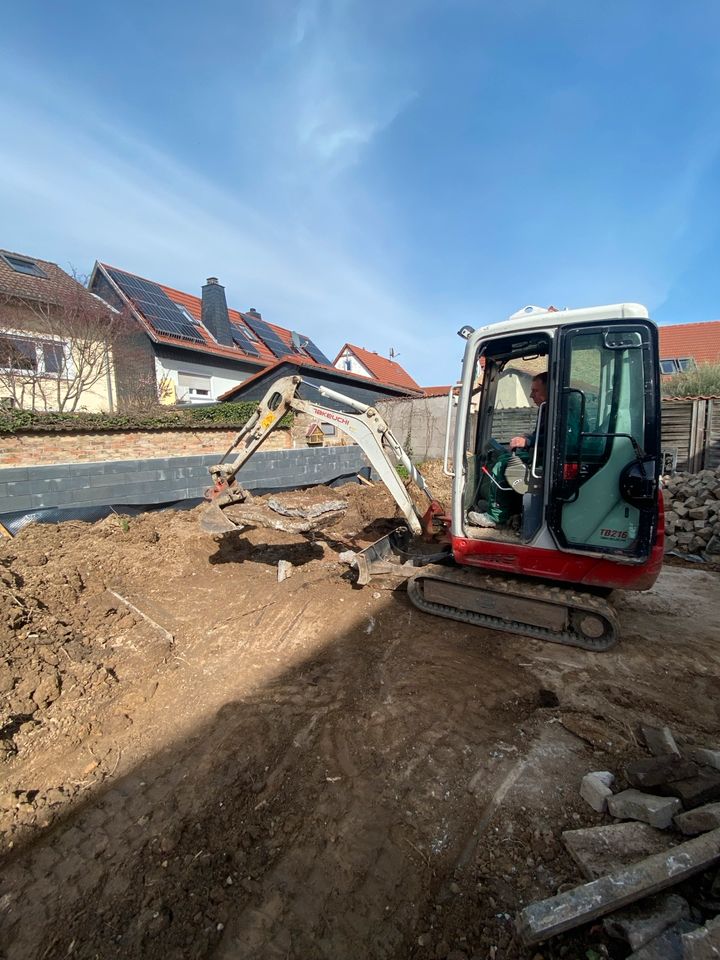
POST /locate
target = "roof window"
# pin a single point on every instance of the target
(23, 265)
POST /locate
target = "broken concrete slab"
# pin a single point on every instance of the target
(261, 516)
(702, 943)
(634, 805)
(601, 850)
(668, 946)
(308, 511)
(546, 918)
(596, 788)
(699, 820)
(656, 771)
(696, 791)
(638, 925)
(659, 740)
(704, 756)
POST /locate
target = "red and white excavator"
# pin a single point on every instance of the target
(586, 509)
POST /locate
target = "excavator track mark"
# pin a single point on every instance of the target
(516, 606)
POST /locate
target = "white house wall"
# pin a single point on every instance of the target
(222, 378)
(355, 365)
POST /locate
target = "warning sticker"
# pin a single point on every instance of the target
(267, 420)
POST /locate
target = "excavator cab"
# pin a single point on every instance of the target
(585, 481)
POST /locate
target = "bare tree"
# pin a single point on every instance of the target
(57, 345)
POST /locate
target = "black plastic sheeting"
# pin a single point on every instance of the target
(14, 522)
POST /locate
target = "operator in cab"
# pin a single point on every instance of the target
(497, 513)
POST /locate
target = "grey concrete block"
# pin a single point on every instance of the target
(122, 466)
(704, 756)
(638, 925)
(55, 484)
(596, 788)
(668, 946)
(87, 469)
(634, 805)
(15, 503)
(14, 473)
(659, 740)
(3, 490)
(699, 820)
(50, 470)
(702, 943)
(656, 771)
(108, 479)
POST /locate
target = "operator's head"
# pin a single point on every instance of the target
(538, 389)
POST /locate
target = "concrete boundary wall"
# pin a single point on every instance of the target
(160, 480)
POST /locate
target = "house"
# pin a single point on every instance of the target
(314, 375)
(56, 339)
(685, 345)
(366, 363)
(195, 349)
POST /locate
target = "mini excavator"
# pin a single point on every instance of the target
(585, 501)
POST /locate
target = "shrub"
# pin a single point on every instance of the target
(703, 381)
(221, 414)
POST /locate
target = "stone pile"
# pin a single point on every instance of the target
(692, 512)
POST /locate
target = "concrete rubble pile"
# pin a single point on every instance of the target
(692, 513)
(666, 835)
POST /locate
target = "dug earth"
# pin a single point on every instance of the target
(201, 761)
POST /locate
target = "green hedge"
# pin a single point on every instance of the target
(221, 414)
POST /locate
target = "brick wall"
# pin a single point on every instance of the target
(35, 448)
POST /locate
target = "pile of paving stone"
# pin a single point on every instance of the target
(666, 835)
(692, 512)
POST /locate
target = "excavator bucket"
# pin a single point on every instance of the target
(214, 521)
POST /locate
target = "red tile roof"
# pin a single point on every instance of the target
(383, 369)
(266, 359)
(436, 391)
(701, 341)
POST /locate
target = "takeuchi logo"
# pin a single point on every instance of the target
(329, 415)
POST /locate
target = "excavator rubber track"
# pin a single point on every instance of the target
(515, 605)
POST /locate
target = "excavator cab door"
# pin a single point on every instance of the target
(606, 463)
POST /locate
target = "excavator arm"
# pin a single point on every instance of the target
(364, 425)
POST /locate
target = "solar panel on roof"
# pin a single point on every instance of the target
(314, 352)
(155, 305)
(242, 340)
(266, 333)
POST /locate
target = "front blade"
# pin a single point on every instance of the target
(214, 521)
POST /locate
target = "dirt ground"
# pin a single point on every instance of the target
(199, 761)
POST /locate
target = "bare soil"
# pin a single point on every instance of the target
(200, 761)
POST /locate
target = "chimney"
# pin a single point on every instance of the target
(215, 312)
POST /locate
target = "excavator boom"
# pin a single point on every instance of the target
(362, 423)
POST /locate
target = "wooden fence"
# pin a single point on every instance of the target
(690, 429)
(691, 433)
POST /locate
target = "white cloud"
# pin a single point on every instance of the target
(75, 187)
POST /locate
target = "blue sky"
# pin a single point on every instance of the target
(379, 172)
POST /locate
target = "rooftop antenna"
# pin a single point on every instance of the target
(393, 353)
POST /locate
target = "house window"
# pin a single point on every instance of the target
(186, 313)
(18, 354)
(683, 364)
(347, 363)
(192, 387)
(23, 265)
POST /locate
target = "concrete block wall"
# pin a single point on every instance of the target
(161, 480)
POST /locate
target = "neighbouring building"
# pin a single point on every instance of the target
(685, 345)
(194, 348)
(57, 340)
(366, 363)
